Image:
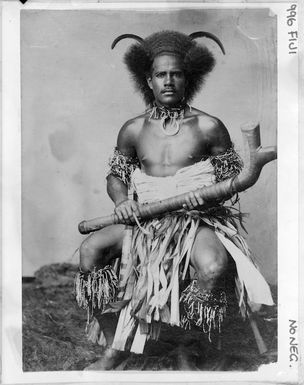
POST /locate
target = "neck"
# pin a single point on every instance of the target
(171, 117)
(178, 106)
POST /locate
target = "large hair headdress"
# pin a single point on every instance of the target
(198, 61)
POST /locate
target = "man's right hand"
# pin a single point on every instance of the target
(125, 209)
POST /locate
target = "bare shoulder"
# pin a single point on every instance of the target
(132, 126)
(128, 134)
(213, 131)
(206, 121)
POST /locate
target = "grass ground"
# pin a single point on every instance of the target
(54, 338)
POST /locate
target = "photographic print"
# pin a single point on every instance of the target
(147, 175)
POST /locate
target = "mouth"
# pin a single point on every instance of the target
(169, 91)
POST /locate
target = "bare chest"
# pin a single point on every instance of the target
(161, 154)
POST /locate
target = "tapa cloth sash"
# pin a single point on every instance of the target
(151, 188)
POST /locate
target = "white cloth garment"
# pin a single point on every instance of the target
(151, 188)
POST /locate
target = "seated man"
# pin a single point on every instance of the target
(170, 149)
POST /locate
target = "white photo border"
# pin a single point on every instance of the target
(284, 370)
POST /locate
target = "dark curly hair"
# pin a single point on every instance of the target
(198, 61)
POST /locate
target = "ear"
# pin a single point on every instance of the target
(149, 81)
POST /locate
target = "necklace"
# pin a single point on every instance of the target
(171, 118)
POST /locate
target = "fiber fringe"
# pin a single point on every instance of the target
(157, 260)
(95, 289)
(122, 166)
(162, 112)
(226, 165)
(206, 309)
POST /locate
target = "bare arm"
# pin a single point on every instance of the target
(119, 177)
(217, 137)
(220, 148)
(117, 190)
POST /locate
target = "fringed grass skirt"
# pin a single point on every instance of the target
(155, 261)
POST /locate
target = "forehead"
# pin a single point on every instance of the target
(167, 62)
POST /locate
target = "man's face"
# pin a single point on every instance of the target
(167, 80)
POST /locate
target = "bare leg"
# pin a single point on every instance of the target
(205, 299)
(96, 251)
(99, 248)
(209, 258)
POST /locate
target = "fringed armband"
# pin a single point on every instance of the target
(204, 309)
(122, 166)
(227, 164)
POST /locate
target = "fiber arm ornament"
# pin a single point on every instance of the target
(255, 159)
(226, 165)
(122, 166)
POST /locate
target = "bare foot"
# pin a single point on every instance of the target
(110, 359)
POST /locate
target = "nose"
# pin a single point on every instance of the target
(168, 79)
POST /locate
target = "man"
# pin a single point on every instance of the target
(171, 149)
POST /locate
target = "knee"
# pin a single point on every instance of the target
(211, 264)
(87, 255)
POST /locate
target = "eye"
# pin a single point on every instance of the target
(160, 74)
(178, 74)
